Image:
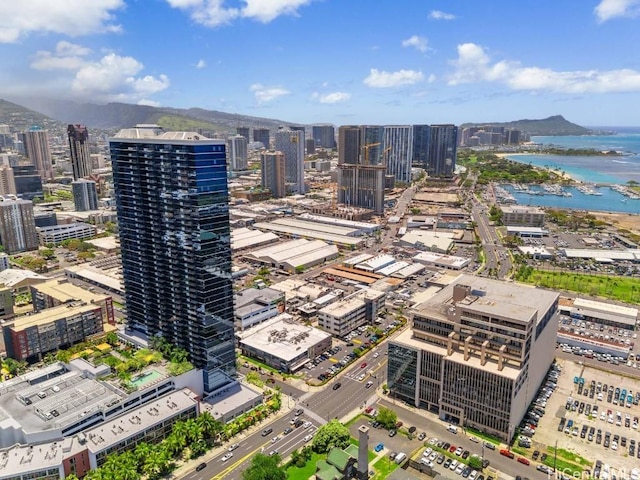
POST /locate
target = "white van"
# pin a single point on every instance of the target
(400, 457)
(452, 428)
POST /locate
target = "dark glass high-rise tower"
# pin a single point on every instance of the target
(173, 215)
(443, 144)
(79, 151)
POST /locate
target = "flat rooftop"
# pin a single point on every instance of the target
(138, 420)
(351, 303)
(494, 298)
(64, 291)
(282, 337)
(619, 310)
(51, 314)
(75, 395)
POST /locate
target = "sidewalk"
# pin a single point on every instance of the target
(188, 466)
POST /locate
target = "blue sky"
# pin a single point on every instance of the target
(337, 61)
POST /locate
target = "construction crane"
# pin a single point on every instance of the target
(366, 151)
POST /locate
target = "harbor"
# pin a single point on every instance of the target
(590, 196)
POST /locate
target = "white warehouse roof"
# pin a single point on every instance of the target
(376, 263)
(357, 259)
(393, 268)
(244, 237)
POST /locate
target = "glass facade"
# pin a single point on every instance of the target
(401, 372)
(173, 214)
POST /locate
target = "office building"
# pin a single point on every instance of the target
(360, 308)
(442, 151)
(237, 153)
(85, 195)
(4, 261)
(17, 226)
(398, 151)
(28, 182)
(256, 305)
(80, 152)
(522, 215)
(291, 144)
(348, 144)
(36, 145)
(243, 131)
(512, 136)
(361, 169)
(421, 136)
(310, 146)
(30, 337)
(173, 216)
(324, 136)
(7, 181)
(261, 135)
(477, 353)
(273, 173)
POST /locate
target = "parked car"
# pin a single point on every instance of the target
(379, 447)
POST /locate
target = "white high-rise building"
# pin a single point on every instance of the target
(238, 153)
(398, 151)
(291, 143)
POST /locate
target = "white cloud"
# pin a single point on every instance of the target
(201, 64)
(67, 56)
(440, 15)
(113, 78)
(148, 103)
(381, 79)
(420, 43)
(608, 9)
(330, 98)
(432, 78)
(265, 94)
(68, 17)
(213, 13)
(474, 65)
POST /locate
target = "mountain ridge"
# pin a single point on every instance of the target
(555, 125)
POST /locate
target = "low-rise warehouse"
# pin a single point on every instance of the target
(284, 344)
(439, 260)
(290, 227)
(440, 242)
(295, 254)
(243, 238)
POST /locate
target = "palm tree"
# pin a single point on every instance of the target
(209, 425)
(156, 463)
(142, 452)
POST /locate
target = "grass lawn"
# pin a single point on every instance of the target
(562, 465)
(296, 473)
(616, 288)
(383, 468)
(572, 457)
(484, 436)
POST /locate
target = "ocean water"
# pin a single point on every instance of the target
(590, 169)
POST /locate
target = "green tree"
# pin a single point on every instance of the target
(387, 417)
(299, 269)
(47, 253)
(112, 339)
(329, 435)
(211, 428)
(475, 462)
(264, 467)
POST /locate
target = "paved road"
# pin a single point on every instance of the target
(436, 428)
(497, 256)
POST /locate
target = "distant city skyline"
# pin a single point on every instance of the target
(325, 61)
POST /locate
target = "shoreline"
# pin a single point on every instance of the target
(559, 172)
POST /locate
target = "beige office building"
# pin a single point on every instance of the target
(477, 353)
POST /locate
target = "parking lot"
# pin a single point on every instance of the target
(599, 424)
(341, 354)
